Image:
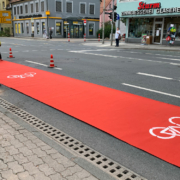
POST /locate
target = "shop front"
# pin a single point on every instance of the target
(150, 18)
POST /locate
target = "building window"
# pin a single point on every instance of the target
(22, 28)
(37, 7)
(3, 4)
(58, 6)
(43, 27)
(31, 8)
(91, 29)
(21, 8)
(18, 10)
(14, 10)
(82, 7)
(26, 8)
(139, 26)
(69, 7)
(91, 11)
(42, 6)
(16, 28)
(27, 28)
(58, 28)
(19, 28)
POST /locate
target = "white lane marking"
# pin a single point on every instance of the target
(34, 50)
(52, 49)
(152, 75)
(169, 59)
(26, 51)
(15, 51)
(148, 53)
(36, 63)
(151, 90)
(41, 64)
(176, 64)
(5, 52)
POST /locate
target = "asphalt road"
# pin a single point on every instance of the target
(151, 74)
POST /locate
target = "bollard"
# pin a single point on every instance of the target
(68, 37)
(84, 37)
(99, 37)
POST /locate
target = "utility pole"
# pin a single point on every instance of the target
(103, 21)
(112, 23)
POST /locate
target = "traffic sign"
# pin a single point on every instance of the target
(5, 17)
(118, 17)
(85, 22)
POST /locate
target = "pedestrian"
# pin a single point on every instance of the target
(51, 33)
(117, 37)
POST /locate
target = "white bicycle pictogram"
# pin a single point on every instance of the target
(25, 75)
(168, 132)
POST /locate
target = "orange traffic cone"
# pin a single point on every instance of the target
(51, 62)
(10, 53)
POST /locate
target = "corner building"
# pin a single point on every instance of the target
(150, 17)
(66, 16)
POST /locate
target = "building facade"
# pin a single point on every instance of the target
(150, 17)
(5, 16)
(66, 16)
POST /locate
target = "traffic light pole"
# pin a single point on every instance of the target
(112, 24)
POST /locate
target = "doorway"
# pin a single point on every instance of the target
(76, 31)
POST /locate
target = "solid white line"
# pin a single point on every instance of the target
(58, 68)
(152, 75)
(36, 63)
(176, 64)
(159, 92)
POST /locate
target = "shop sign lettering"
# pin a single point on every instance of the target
(143, 5)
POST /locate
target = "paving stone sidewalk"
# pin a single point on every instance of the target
(25, 157)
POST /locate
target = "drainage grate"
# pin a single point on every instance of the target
(106, 164)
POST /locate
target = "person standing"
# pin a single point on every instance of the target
(51, 33)
(117, 37)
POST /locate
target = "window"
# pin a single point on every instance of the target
(43, 27)
(69, 7)
(31, 8)
(42, 6)
(18, 10)
(91, 29)
(3, 4)
(26, 8)
(16, 28)
(58, 28)
(91, 9)
(22, 28)
(19, 28)
(58, 6)
(37, 27)
(37, 7)
(21, 8)
(139, 26)
(14, 10)
(82, 8)
(27, 28)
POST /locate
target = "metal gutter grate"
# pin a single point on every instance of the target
(106, 164)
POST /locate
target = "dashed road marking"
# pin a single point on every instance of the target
(156, 76)
(151, 90)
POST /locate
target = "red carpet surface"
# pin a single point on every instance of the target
(144, 123)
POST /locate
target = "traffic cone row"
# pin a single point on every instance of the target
(10, 53)
(51, 62)
(99, 37)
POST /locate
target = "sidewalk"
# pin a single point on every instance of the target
(23, 156)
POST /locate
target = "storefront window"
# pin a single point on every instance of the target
(27, 28)
(176, 22)
(37, 27)
(43, 27)
(19, 28)
(139, 26)
(58, 28)
(91, 29)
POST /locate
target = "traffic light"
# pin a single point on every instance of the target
(115, 7)
(115, 16)
(110, 15)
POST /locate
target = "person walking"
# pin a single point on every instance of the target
(51, 33)
(117, 37)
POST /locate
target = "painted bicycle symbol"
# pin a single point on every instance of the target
(167, 132)
(25, 75)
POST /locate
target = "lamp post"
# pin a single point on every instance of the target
(47, 17)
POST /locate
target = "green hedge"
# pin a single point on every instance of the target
(107, 30)
(5, 33)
